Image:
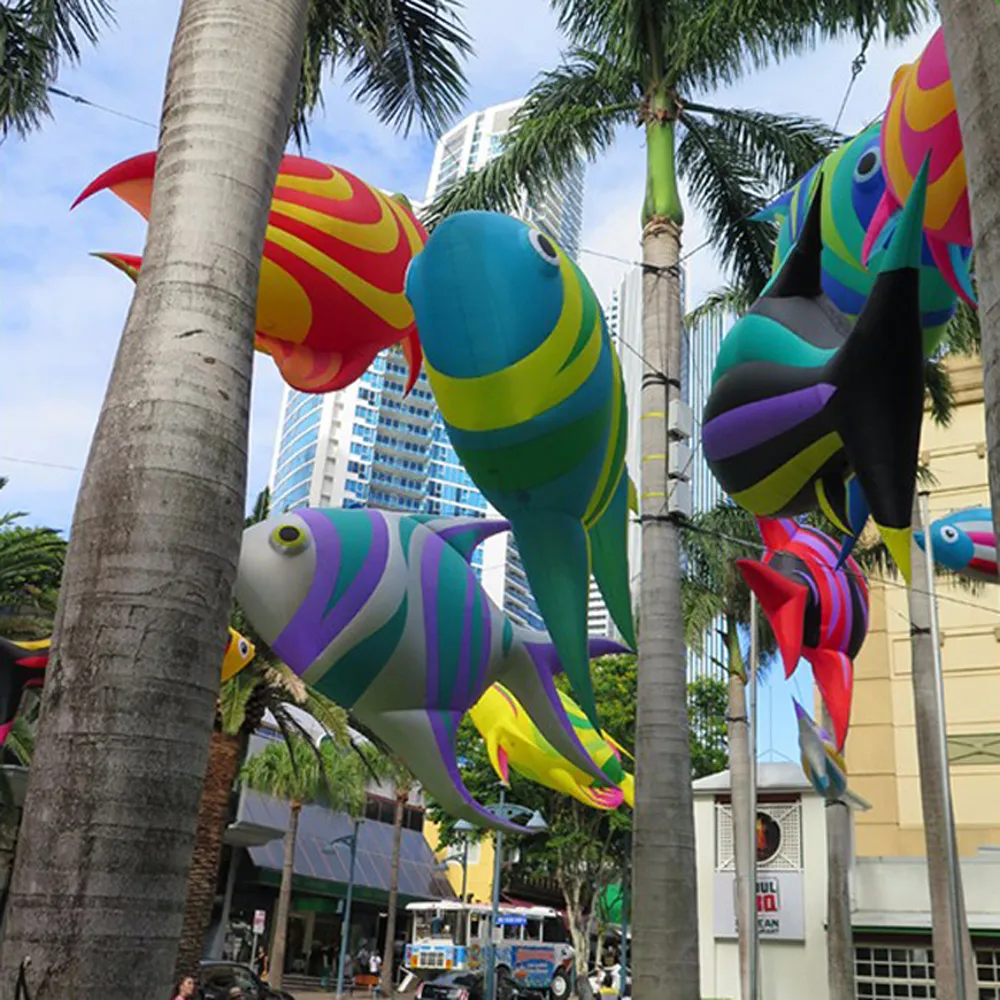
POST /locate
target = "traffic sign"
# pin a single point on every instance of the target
(259, 921)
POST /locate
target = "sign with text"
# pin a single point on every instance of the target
(780, 906)
(511, 920)
(259, 921)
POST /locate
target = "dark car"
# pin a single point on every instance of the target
(469, 986)
(216, 979)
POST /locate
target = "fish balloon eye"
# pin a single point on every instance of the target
(244, 648)
(543, 246)
(949, 534)
(869, 164)
(288, 539)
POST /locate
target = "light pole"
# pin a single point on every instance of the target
(536, 824)
(345, 930)
(464, 827)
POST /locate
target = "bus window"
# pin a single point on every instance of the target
(476, 927)
(533, 932)
(426, 924)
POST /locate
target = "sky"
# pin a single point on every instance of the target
(61, 310)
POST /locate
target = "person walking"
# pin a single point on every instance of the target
(185, 989)
(375, 970)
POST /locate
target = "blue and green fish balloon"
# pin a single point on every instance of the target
(808, 410)
(530, 389)
(382, 613)
(965, 543)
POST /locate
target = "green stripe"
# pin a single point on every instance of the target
(354, 546)
(616, 469)
(758, 338)
(588, 317)
(451, 590)
(508, 635)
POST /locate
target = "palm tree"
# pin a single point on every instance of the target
(296, 772)
(112, 801)
(713, 592)
(34, 37)
(645, 63)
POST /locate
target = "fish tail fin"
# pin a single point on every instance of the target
(131, 180)
(776, 210)
(22, 665)
(834, 675)
(609, 554)
(783, 602)
(414, 355)
(878, 374)
(555, 552)
(628, 790)
(952, 261)
(127, 263)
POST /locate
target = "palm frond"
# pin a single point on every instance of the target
(962, 335)
(726, 303)
(570, 114)
(940, 392)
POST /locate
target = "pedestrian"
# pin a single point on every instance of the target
(375, 969)
(236, 993)
(262, 966)
(186, 988)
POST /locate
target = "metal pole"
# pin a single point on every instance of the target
(465, 866)
(623, 953)
(219, 943)
(754, 957)
(949, 812)
(491, 951)
(345, 929)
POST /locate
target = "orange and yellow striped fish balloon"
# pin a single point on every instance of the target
(336, 252)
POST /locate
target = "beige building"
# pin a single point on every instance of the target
(881, 748)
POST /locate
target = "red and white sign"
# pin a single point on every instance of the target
(259, 921)
(780, 906)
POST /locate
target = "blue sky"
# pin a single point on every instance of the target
(61, 311)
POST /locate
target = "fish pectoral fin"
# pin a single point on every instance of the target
(855, 802)
(784, 603)
(609, 556)
(414, 355)
(308, 370)
(834, 675)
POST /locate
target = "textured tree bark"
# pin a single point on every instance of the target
(665, 938)
(284, 897)
(389, 955)
(935, 787)
(213, 812)
(97, 896)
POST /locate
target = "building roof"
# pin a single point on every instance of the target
(771, 777)
(419, 876)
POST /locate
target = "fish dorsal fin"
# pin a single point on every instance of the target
(800, 273)
(463, 533)
(777, 532)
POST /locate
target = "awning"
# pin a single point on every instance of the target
(419, 874)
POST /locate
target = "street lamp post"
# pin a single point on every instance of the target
(536, 824)
(345, 930)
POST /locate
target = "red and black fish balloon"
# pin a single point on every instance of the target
(336, 252)
(816, 610)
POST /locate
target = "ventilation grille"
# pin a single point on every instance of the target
(782, 850)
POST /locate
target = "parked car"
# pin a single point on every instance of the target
(216, 979)
(469, 986)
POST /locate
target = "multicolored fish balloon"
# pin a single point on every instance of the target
(816, 610)
(382, 613)
(530, 388)
(853, 186)
(921, 122)
(822, 763)
(805, 411)
(336, 252)
(514, 741)
(965, 543)
(23, 665)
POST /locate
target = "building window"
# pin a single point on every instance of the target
(778, 837)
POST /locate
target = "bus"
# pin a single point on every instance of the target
(531, 945)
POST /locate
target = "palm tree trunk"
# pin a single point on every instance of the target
(97, 897)
(839, 935)
(389, 955)
(739, 786)
(935, 788)
(665, 898)
(277, 969)
(213, 812)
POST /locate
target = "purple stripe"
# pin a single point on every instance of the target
(482, 530)
(478, 683)
(312, 629)
(430, 561)
(461, 692)
(747, 426)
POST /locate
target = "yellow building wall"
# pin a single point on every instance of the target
(479, 881)
(881, 748)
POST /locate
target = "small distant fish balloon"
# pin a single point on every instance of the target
(822, 763)
(965, 543)
(853, 187)
(530, 388)
(816, 610)
(921, 122)
(336, 252)
(806, 412)
(382, 613)
(514, 741)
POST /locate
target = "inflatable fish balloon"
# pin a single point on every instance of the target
(816, 610)
(530, 389)
(336, 251)
(822, 764)
(514, 741)
(806, 412)
(921, 121)
(853, 186)
(382, 613)
(23, 665)
(965, 543)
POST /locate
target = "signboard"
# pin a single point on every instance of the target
(780, 906)
(511, 920)
(259, 921)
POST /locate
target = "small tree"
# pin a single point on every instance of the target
(300, 773)
(707, 710)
